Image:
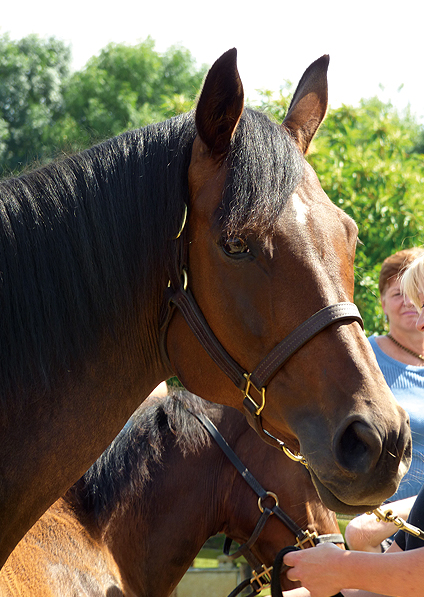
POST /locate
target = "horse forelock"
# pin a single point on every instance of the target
(265, 167)
(123, 472)
(80, 240)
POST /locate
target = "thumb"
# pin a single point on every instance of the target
(290, 558)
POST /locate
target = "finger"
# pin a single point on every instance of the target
(291, 575)
(290, 558)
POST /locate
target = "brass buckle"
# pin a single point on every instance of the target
(184, 281)
(265, 573)
(258, 408)
(309, 538)
(183, 223)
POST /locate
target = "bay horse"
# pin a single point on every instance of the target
(133, 524)
(104, 293)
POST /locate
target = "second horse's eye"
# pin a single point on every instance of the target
(235, 246)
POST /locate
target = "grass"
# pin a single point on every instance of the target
(207, 558)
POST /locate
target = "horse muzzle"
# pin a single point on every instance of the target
(368, 465)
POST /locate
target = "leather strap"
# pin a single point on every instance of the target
(184, 300)
(248, 477)
(259, 490)
(300, 336)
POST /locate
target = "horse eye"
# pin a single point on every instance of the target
(235, 246)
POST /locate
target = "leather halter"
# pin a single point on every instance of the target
(261, 573)
(180, 296)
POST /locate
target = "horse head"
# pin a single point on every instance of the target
(263, 251)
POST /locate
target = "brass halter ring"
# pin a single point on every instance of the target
(268, 494)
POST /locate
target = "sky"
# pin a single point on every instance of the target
(375, 46)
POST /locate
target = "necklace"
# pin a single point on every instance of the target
(414, 354)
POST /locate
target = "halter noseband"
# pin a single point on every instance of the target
(183, 299)
(262, 575)
(180, 296)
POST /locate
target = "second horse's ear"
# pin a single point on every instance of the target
(220, 104)
(309, 104)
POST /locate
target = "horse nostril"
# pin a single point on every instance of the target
(358, 446)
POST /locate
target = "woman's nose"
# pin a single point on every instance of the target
(420, 321)
(407, 301)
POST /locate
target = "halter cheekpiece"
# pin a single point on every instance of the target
(262, 575)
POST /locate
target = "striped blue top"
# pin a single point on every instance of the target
(407, 385)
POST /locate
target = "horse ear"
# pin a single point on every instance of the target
(220, 104)
(309, 104)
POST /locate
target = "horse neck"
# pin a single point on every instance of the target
(157, 494)
(155, 540)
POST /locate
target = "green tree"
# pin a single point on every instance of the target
(44, 110)
(127, 87)
(32, 72)
(368, 163)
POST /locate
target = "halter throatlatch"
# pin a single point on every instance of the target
(255, 382)
(261, 574)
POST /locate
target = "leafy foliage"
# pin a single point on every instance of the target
(45, 110)
(31, 75)
(127, 87)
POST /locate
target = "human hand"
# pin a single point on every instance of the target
(317, 569)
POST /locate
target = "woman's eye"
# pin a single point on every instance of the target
(235, 246)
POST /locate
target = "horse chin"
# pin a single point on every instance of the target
(334, 503)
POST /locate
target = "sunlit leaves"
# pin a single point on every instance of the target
(45, 110)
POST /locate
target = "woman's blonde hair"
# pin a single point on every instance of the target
(412, 281)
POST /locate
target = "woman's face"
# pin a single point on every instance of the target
(400, 311)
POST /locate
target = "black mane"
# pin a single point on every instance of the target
(128, 464)
(78, 241)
